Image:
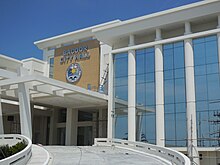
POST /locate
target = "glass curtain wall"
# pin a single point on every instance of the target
(207, 84)
(145, 95)
(120, 86)
(174, 94)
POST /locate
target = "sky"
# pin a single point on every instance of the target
(22, 22)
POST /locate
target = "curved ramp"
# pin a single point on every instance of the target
(39, 156)
(100, 155)
(174, 157)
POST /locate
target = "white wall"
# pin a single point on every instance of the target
(104, 53)
(36, 66)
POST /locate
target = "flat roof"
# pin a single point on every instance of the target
(47, 91)
(112, 33)
(71, 36)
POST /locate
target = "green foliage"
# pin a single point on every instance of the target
(6, 151)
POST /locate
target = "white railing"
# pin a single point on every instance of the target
(20, 158)
(173, 156)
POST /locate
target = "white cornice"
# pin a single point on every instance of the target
(158, 14)
(112, 33)
(165, 41)
(71, 36)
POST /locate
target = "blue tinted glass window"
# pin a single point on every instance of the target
(200, 70)
(121, 66)
(199, 54)
(140, 64)
(211, 52)
(121, 127)
(179, 57)
(169, 91)
(120, 84)
(174, 93)
(207, 86)
(145, 94)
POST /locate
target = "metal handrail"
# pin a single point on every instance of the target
(173, 156)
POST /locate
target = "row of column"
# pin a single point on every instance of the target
(160, 124)
(72, 125)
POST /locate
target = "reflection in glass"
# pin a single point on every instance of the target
(174, 94)
(145, 95)
(207, 84)
(120, 87)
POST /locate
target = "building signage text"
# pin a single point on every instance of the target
(75, 54)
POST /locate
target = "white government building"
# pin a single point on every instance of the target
(154, 79)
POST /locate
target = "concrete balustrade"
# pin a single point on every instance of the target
(170, 155)
(21, 157)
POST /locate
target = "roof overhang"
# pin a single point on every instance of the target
(47, 91)
(70, 37)
(112, 33)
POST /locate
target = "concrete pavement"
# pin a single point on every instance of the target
(90, 155)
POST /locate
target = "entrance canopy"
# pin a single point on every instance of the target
(47, 91)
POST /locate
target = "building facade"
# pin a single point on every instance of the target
(153, 79)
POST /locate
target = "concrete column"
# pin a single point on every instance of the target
(131, 92)
(131, 96)
(1, 119)
(45, 50)
(94, 125)
(218, 22)
(71, 126)
(160, 135)
(190, 101)
(131, 40)
(111, 109)
(52, 128)
(187, 28)
(101, 123)
(25, 110)
(158, 35)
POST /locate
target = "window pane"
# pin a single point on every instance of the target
(174, 94)
(207, 85)
(169, 91)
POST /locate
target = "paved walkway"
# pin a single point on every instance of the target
(73, 155)
(40, 156)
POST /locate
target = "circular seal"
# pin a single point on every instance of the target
(73, 73)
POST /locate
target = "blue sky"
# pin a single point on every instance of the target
(24, 21)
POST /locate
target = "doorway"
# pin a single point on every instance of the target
(84, 136)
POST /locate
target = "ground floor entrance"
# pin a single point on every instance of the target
(84, 136)
(59, 126)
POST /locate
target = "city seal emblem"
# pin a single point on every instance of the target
(73, 73)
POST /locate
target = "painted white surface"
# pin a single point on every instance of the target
(36, 66)
(131, 96)
(70, 37)
(71, 126)
(165, 41)
(163, 19)
(25, 111)
(167, 154)
(190, 101)
(131, 91)
(111, 110)
(160, 124)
